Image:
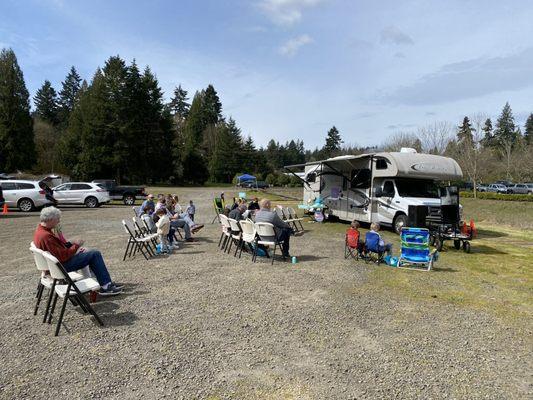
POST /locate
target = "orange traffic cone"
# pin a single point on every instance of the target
(4, 211)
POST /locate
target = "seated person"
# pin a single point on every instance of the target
(353, 234)
(282, 229)
(71, 254)
(148, 206)
(374, 242)
(237, 213)
(254, 204)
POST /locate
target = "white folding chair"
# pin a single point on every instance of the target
(135, 243)
(236, 235)
(63, 286)
(226, 232)
(248, 236)
(142, 231)
(267, 236)
(45, 281)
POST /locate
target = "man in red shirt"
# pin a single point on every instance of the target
(69, 253)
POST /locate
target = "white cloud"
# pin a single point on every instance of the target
(286, 12)
(392, 34)
(291, 46)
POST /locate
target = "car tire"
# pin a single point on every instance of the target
(129, 199)
(91, 202)
(399, 222)
(26, 205)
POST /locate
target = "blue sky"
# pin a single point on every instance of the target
(288, 69)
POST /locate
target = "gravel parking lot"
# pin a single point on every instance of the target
(202, 324)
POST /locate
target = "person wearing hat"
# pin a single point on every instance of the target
(148, 206)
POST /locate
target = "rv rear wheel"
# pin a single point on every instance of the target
(399, 222)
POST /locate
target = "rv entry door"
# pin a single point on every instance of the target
(386, 209)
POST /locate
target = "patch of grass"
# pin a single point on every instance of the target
(506, 213)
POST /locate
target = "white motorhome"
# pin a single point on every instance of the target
(377, 187)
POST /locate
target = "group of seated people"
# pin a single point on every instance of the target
(261, 211)
(166, 216)
(373, 241)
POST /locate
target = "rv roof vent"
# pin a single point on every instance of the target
(407, 150)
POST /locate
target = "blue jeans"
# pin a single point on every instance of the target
(92, 258)
(180, 223)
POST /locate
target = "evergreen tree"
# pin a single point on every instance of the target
(193, 161)
(212, 106)
(488, 137)
(68, 95)
(17, 148)
(505, 131)
(46, 106)
(333, 142)
(464, 133)
(179, 107)
(528, 130)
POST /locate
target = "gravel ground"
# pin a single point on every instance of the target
(202, 324)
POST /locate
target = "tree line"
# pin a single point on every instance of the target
(117, 125)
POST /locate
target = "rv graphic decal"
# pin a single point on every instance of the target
(427, 167)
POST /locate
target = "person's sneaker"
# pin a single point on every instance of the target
(197, 228)
(110, 291)
(118, 285)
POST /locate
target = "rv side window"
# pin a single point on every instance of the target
(381, 163)
(388, 189)
(311, 178)
(360, 179)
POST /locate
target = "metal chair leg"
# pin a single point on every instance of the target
(61, 314)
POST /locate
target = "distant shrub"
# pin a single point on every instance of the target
(283, 180)
(498, 196)
(271, 179)
(295, 181)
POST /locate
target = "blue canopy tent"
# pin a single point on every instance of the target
(246, 178)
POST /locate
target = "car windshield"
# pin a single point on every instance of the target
(417, 188)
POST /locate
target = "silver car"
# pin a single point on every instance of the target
(90, 194)
(26, 195)
(519, 188)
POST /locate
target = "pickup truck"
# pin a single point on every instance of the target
(128, 194)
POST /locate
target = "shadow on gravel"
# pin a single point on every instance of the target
(308, 257)
(480, 248)
(11, 216)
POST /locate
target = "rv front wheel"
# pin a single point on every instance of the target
(399, 222)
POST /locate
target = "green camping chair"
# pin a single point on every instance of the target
(218, 204)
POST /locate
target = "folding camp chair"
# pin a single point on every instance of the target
(373, 252)
(135, 243)
(415, 252)
(236, 235)
(267, 237)
(218, 204)
(63, 286)
(136, 210)
(352, 247)
(45, 280)
(248, 236)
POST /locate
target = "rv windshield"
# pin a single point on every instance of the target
(417, 188)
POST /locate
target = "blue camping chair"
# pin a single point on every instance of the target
(415, 252)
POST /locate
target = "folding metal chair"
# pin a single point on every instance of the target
(267, 237)
(294, 217)
(225, 238)
(218, 205)
(415, 251)
(135, 243)
(142, 231)
(63, 286)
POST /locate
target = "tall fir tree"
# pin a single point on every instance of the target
(68, 95)
(528, 130)
(505, 131)
(192, 157)
(464, 133)
(17, 148)
(212, 106)
(46, 103)
(179, 106)
(333, 142)
(488, 136)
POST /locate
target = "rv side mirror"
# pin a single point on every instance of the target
(378, 192)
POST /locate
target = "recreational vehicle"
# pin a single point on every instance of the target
(377, 187)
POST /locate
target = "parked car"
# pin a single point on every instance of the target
(259, 185)
(519, 188)
(482, 188)
(497, 188)
(26, 195)
(90, 194)
(530, 187)
(128, 194)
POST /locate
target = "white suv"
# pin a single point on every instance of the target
(90, 194)
(26, 195)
